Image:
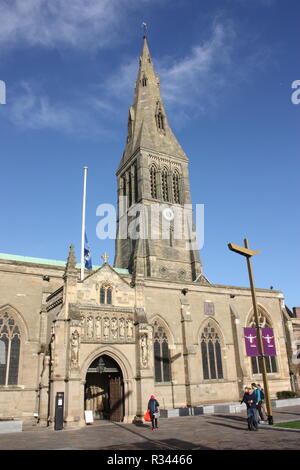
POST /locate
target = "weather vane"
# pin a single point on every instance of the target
(144, 25)
(105, 257)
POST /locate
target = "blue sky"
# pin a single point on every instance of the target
(226, 69)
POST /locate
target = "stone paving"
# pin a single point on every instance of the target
(211, 432)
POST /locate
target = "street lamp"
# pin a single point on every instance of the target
(245, 251)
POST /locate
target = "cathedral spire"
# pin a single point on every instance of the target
(148, 126)
(153, 169)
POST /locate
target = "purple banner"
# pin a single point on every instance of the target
(251, 342)
(268, 341)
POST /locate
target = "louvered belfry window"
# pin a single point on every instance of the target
(129, 188)
(10, 340)
(211, 353)
(153, 184)
(162, 364)
(176, 190)
(164, 184)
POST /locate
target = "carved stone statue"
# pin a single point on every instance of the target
(106, 328)
(129, 328)
(144, 350)
(75, 348)
(122, 328)
(90, 327)
(114, 328)
(52, 350)
(98, 327)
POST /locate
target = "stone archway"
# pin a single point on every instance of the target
(104, 389)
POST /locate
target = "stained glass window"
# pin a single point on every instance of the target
(256, 361)
(106, 295)
(162, 363)
(211, 353)
(102, 295)
(9, 350)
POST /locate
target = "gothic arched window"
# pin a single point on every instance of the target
(106, 295)
(160, 121)
(256, 361)
(164, 184)
(162, 363)
(123, 186)
(176, 190)
(129, 189)
(9, 350)
(211, 353)
(144, 80)
(136, 187)
(153, 183)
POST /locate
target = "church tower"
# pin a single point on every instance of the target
(153, 187)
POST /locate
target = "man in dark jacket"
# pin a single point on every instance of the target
(249, 399)
(153, 410)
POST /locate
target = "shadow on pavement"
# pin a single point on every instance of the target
(287, 413)
(172, 444)
(217, 423)
(233, 418)
(164, 444)
(142, 425)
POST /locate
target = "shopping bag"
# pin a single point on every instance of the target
(147, 416)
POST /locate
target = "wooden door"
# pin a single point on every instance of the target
(116, 398)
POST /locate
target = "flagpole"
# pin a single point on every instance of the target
(83, 223)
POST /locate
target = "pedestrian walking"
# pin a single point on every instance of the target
(261, 407)
(245, 392)
(249, 399)
(153, 410)
(257, 393)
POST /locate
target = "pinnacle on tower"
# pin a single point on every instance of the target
(71, 263)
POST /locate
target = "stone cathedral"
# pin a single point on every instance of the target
(149, 324)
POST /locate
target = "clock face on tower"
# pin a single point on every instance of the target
(168, 214)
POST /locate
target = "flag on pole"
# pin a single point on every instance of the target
(268, 342)
(87, 253)
(251, 342)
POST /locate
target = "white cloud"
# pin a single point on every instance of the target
(32, 109)
(202, 71)
(193, 81)
(63, 22)
(190, 85)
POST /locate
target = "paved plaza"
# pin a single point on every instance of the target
(206, 432)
